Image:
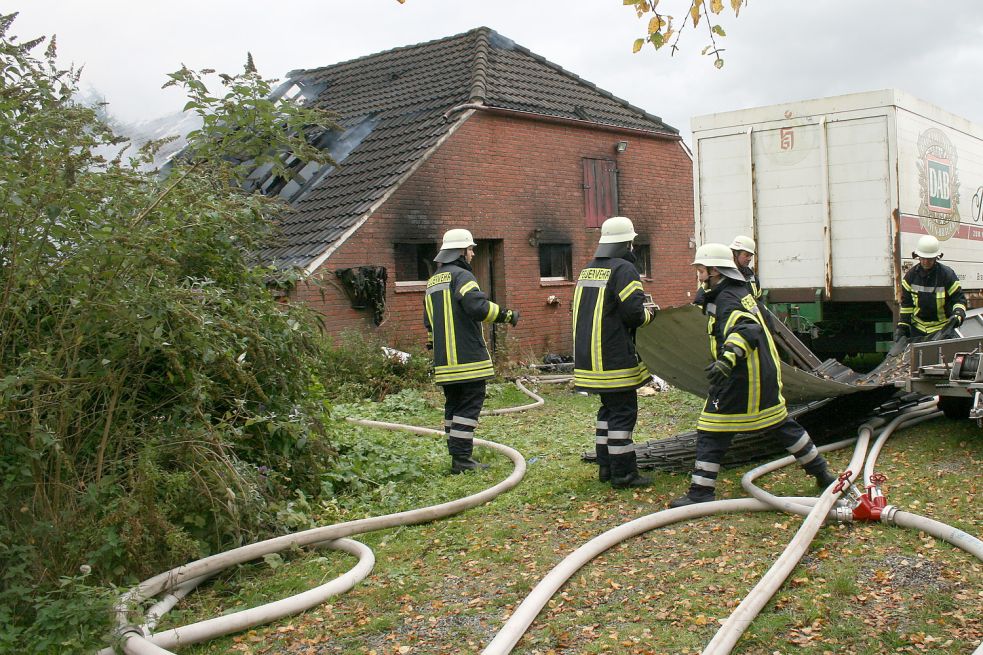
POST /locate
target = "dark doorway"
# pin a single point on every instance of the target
(488, 266)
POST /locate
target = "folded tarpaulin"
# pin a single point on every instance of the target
(675, 347)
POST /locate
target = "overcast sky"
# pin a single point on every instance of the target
(777, 51)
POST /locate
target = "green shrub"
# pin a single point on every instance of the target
(156, 402)
(357, 367)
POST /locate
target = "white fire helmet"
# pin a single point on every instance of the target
(617, 229)
(928, 247)
(742, 242)
(718, 256)
(457, 239)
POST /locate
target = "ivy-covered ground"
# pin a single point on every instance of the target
(447, 587)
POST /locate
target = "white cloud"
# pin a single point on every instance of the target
(777, 51)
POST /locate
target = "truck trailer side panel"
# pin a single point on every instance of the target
(941, 173)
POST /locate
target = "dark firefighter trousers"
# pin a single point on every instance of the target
(711, 447)
(616, 419)
(462, 405)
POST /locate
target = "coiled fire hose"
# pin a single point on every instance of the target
(182, 580)
(178, 582)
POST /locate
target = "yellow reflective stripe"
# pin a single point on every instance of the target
(736, 339)
(940, 303)
(449, 336)
(713, 340)
(709, 422)
(464, 371)
(428, 303)
(907, 310)
(576, 313)
(468, 286)
(648, 318)
(596, 361)
(905, 285)
(612, 374)
(493, 310)
(735, 316)
(754, 383)
(954, 288)
(929, 326)
(611, 379)
(629, 289)
(959, 305)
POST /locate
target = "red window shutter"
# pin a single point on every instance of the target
(600, 191)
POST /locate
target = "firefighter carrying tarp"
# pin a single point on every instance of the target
(745, 393)
(608, 306)
(454, 308)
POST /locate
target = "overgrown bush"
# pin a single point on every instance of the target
(358, 367)
(149, 383)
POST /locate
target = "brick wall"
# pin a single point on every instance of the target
(503, 177)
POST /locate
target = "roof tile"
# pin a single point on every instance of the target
(401, 96)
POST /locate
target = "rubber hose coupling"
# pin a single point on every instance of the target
(887, 514)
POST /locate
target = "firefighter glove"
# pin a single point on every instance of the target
(512, 317)
(959, 314)
(720, 369)
(902, 331)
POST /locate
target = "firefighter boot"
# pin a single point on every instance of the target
(697, 494)
(824, 477)
(603, 462)
(624, 472)
(465, 464)
(461, 460)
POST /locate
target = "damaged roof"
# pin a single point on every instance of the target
(391, 110)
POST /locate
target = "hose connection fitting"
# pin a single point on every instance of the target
(872, 505)
(124, 632)
(845, 484)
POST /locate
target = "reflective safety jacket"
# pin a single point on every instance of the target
(751, 398)
(454, 308)
(752, 281)
(607, 309)
(928, 298)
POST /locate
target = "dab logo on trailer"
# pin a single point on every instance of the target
(939, 210)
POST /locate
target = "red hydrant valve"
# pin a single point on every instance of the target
(871, 504)
(844, 480)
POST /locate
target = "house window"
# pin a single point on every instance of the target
(555, 261)
(600, 191)
(643, 261)
(414, 262)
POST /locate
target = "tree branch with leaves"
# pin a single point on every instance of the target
(661, 32)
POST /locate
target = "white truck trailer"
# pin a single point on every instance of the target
(836, 192)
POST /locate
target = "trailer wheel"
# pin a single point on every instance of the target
(955, 407)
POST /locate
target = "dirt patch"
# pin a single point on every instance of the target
(903, 572)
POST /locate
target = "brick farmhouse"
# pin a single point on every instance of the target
(475, 131)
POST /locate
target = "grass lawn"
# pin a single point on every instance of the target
(447, 587)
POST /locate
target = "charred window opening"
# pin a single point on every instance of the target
(366, 289)
(643, 259)
(555, 261)
(414, 261)
(600, 191)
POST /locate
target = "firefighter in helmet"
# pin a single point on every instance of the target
(743, 249)
(931, 295)
(454, 308)
(745, 394)
(608, 306)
